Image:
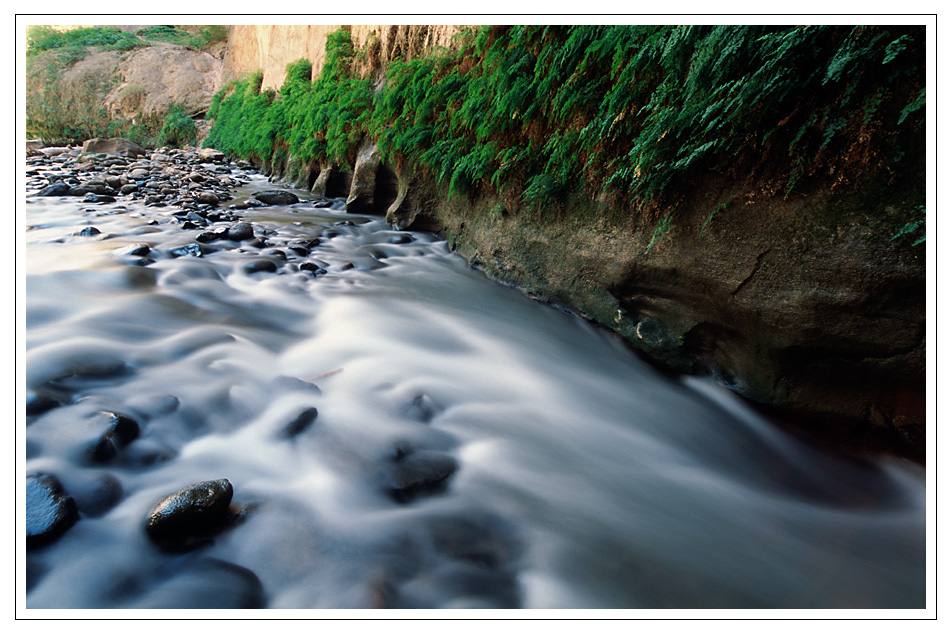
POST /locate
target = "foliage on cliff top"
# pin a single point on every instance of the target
(630, 113)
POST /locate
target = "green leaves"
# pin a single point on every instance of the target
(538, 112)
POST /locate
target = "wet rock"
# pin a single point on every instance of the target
(241, 231)
(139, 248)
(421, 408)
(49, 511)
(98, 198)
(207, 198)
(88, 231)
(300, 424)
(95, 494)
(190, 514)
(313, 268)
(120, 431)
(363, 186)
(131, 188)
(206, 584)
(420, 472)
(37, 404)
(276, 197)
(56, 189)
(260, 266)
(191, 250)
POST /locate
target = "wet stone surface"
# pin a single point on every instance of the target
(49, 511)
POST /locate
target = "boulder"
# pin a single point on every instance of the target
(210, 155)
(56, 189)
(276, 197)
(117, 146)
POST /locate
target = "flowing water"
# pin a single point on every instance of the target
(582, 477)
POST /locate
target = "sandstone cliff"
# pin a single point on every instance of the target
(269, 48)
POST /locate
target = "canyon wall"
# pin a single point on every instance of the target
(269, 48)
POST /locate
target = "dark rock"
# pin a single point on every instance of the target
(95, 494)
(191, 513)
(421, 472)
(241, 231)
(322, 203)
(276, 197)
(98, 198)
(37, 404)
(135, 249)
(56, 189)
(657, 341)
(260, 266)
(207, 198)
(82, 190)
(207, 584)
(422, 409)
(120, 431)
(87, 231)
(128, 189)
(49, 511)
(300, 424)
(192, 250)
(313, 268)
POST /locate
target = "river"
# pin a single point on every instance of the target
(578, 475)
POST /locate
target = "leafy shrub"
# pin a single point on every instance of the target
(43, 38)
(178, 129)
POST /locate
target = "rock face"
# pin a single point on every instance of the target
(269, 48)
(157, 76)
(801, 305)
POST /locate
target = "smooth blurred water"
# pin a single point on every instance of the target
(585, 478)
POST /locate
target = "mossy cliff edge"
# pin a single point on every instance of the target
(744, 201)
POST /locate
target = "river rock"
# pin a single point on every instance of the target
(276, 197)
(206, 584)
(98, 198)
(210, 155)
(192, 250)
(128, 189)
(56, 189)
(207, 198)
(120, 431)
(37, 404)
(241, 231)
(49, 511)
(117, 146)
(194, 512)
(260, 266)
(300, 424)
(414, 473)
